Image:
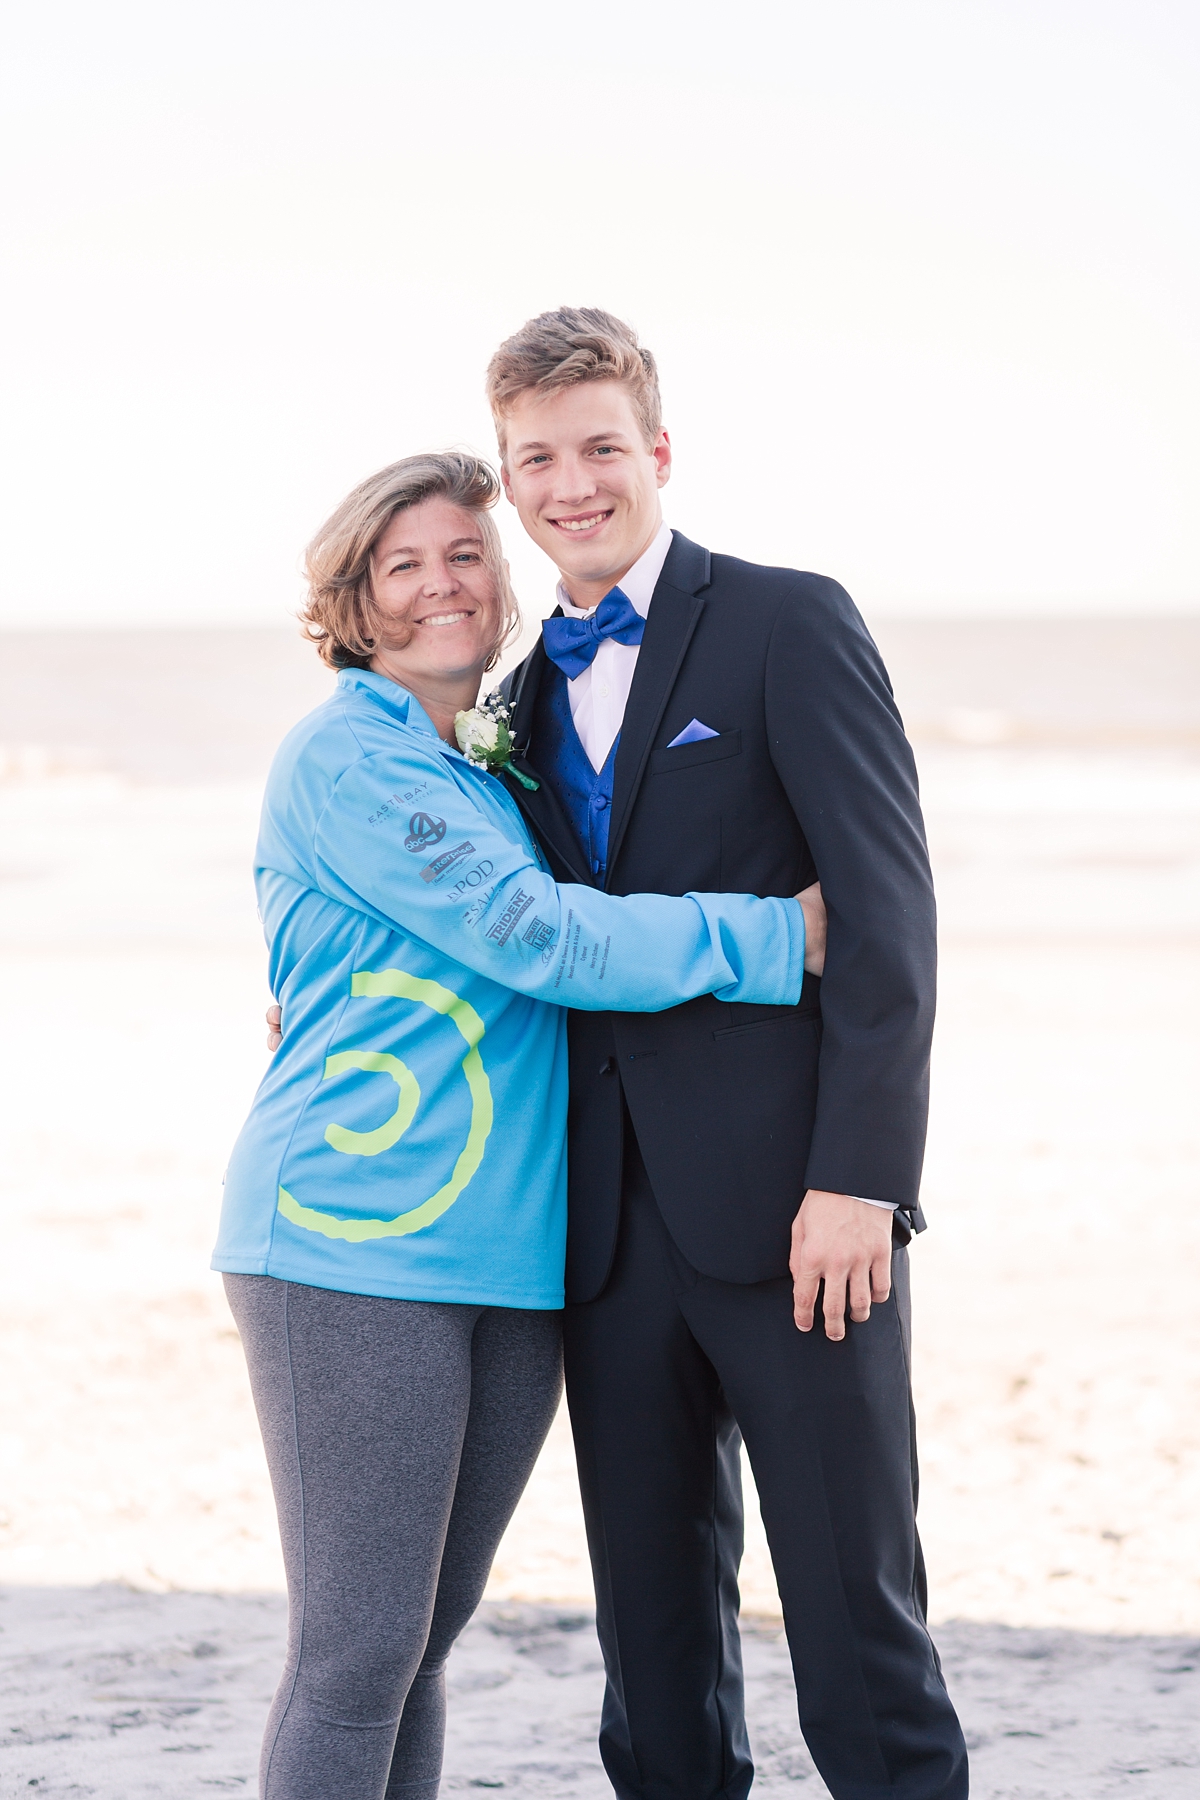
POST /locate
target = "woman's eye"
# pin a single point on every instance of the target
(465, 556)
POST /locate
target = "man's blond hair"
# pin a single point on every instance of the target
(559, 349)
(341, 617)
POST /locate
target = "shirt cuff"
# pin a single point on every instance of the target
(887, 1205)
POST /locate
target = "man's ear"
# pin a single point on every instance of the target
(506, 484)
(661, 452)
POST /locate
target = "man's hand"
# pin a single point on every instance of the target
(274, 1027)
(812, 905)
(840, 1241)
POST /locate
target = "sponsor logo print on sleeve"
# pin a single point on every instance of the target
(509, 919)
(394, 802)
(537, 934)
(424, 831)
(449, 859)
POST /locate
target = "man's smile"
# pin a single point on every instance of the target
(584, 522)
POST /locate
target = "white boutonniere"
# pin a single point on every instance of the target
(486, 741)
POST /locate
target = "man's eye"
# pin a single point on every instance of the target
(606, 449)
(535, 459)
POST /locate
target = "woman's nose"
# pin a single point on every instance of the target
(441, 582)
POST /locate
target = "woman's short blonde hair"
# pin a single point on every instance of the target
(341, 616)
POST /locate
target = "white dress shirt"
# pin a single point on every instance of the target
(599, 696)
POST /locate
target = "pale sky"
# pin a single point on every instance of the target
(923, 280)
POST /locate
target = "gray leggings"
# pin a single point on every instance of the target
(399, 1436)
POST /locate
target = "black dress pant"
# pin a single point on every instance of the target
(666, 1372)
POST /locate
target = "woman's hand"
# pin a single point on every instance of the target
(275, 1015)
(813, 908)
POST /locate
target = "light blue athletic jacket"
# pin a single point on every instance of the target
(409, 1137)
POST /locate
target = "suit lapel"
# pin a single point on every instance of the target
(540, 805)
(520, 688)
(674, 614)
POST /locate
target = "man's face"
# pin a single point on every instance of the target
(585, 482)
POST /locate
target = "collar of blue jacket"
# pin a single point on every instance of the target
(397, 700)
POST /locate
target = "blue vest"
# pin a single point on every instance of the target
(586, 796)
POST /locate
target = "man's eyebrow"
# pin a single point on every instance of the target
(597, 437)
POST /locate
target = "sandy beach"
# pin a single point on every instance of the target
(130, 1695)
(1057, 1357)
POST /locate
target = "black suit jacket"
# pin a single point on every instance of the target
(738, 1109)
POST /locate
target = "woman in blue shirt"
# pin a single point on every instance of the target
(393, 1227)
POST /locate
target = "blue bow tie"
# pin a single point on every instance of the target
(572, 643)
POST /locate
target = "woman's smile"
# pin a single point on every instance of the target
(446, 618)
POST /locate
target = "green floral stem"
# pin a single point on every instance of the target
(526, 781)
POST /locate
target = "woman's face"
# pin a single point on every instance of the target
(435, 592)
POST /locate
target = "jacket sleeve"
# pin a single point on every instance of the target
(839, 747)
(478, 894)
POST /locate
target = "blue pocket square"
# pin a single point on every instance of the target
(693, 734)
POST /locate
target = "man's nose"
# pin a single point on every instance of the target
(576, 481)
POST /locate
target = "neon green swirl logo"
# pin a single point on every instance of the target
(395, 984)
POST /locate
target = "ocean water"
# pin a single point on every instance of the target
(199, 706)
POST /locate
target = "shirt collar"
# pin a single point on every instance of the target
(395, 699)
(638, 583)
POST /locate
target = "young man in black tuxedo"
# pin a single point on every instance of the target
(699, 723)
